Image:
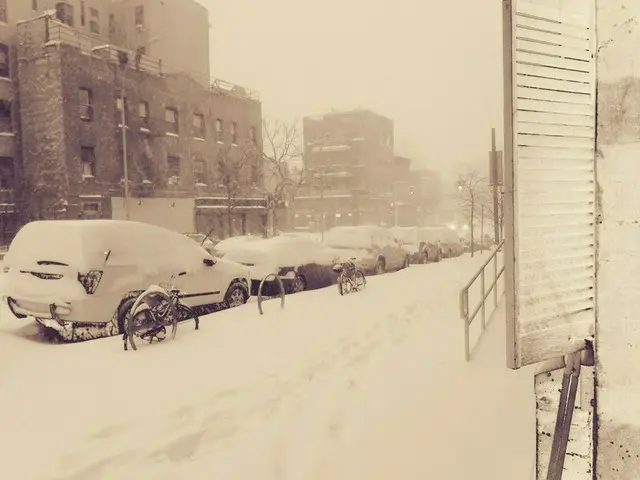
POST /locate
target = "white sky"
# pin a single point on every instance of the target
(435, 68)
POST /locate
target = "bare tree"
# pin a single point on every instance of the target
(233, 165)
(473, 195)
(282, 147)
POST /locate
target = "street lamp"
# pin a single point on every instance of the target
(123, 60)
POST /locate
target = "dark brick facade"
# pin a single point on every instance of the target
(54, 132)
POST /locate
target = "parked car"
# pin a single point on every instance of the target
(302, 263)
(374, 248)
(205, 242)
(87, 273)
(421, 245)
(229, 244)
(448, 240)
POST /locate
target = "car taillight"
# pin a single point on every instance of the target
(90, 280)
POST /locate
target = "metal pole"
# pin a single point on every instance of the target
(123, 118)
(395, 204)
(481, 229)
(494, 187)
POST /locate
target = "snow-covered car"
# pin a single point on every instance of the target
(421, 246)
(205, 242)
(229, 244)
(447, 239)
(83, 275)
(302, 264)
(374, 248)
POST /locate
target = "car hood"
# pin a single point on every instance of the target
(231, 268)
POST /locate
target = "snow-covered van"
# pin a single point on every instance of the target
(79, 275)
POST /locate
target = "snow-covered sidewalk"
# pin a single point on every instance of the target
(371, 385)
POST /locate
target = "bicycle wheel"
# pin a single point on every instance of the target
(157, 315)
(361, 280)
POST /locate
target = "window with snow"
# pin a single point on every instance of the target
(198, 125)
(171, 117)
(143, 111)
(64, 13)
(7, 173)
(4, 61)
(3, 11)
(173, 170)
(85, 99)
(94, 21)
(112, 24)
(6, 124)
(83, 19)
(122, 106)
(139, 16)
(88, 161)
(200, 172)
(234, 133)
(34, 5)
(219, 130)
(252, 135)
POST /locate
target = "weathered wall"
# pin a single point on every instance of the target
(618, 326)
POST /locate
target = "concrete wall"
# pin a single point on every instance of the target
(618, 324)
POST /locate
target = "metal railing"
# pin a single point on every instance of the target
(469, 316)
(61, 33)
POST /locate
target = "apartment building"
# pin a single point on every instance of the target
(61, 141)
(348, 157)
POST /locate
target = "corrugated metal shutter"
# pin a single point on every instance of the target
(554, 188)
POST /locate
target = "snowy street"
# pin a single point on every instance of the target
(370, 385)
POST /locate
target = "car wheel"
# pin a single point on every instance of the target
(236, 295)
(298, 285)
(379, 268)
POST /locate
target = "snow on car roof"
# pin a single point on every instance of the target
(282, 251)
(84, 243)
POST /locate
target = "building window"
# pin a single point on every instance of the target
(5, 117)
(4, 61)
(252, 135)
(200, 171)
(139, 14)
(88, 162)
(34, 5)
(112, 24)
(255, 173)
(94, 21)
(143, 110)
(173, 169)
(120, 104)
(7, 173)
(64, 13)
(219, 130)
(83, 19)
(86, 104)
(234, 133)
(171, 117)
(3, 11)
(198, 125)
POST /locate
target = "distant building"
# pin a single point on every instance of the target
(173, 31)
(348, 160)
(61, 149)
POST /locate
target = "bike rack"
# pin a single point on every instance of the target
(282, 294)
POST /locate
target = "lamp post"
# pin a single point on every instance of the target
(122, 58)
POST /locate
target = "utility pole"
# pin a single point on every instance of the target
(493, 175)
(482, 229)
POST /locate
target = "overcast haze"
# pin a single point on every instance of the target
(435, 68)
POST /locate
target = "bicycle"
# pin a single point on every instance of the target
(350, 278)
(156, 309)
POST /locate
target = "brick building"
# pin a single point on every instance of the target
(348, 157)
(61, 142)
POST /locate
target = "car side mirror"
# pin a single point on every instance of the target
(209, 262)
